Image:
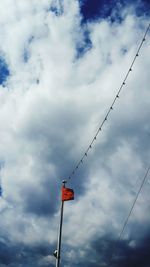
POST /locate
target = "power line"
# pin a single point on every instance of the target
(129, 214)
(134, 202)
(85, 154)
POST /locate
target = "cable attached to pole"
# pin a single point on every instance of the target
(85, 154)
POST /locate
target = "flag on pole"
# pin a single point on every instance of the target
(67, 194)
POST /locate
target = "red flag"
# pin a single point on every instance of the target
(67, 194)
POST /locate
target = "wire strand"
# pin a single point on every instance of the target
(134, 202)
(85, 154)
(129, 214)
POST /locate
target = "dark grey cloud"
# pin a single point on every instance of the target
(126, 255)
(36, 201)
(12, 254)
(109, 251)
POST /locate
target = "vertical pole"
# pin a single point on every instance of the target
(59, 236)
(60, 233)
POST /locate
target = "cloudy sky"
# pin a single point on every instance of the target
(61, 65)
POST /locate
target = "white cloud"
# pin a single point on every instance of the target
(46, 124)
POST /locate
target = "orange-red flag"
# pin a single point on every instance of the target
(67, 194)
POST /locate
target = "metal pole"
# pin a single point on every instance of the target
(60, 233)
(59, 236)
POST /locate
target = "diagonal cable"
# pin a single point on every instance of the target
(134, 202)
(128, 216)
(85, 154)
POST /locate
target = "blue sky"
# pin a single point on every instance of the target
(4, 71)
(92, 10)
(61, 65)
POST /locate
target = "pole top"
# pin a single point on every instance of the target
(64, 182)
